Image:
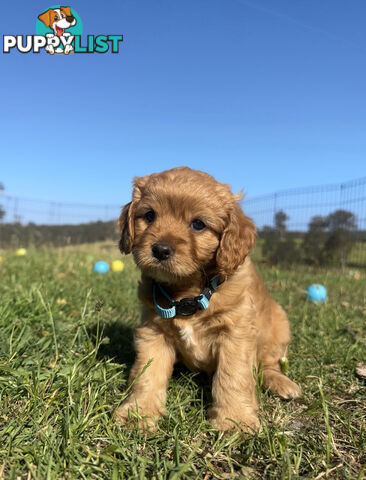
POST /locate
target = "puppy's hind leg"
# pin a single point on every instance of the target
(270, 353)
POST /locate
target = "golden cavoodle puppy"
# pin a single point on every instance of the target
(203, 303)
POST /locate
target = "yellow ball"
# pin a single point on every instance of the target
(117, 266)
(20, 252)
(1, 258)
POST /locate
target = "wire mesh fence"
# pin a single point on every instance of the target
(25, 210)
(35, 222)
(301, 205)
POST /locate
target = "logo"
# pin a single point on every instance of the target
(59, 31)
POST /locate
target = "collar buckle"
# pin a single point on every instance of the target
(186, 306)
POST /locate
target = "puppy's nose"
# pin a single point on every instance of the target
(70, 19)
(162, 251)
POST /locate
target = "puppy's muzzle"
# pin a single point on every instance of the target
(162, 251)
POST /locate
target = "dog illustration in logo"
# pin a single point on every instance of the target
(58, 19)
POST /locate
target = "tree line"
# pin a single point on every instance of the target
(14, 235)
(328, 241)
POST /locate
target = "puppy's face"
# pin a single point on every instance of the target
(181, 222)
(58, 19)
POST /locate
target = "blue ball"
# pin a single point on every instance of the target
(101, 267)
(316, 293)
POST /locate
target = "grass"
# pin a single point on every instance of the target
(65, 352)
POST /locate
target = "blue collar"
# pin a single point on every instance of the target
(185, 306)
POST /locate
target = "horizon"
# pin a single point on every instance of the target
(324, 199)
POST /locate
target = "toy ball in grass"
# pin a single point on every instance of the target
(101, 267)
(20, 252)
(316, 293)
(117, 266)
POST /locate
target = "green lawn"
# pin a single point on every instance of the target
(65, 352)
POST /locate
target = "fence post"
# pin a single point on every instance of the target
(341, 194)
(274, 208)
(15, 210)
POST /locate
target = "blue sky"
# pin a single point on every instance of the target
(263, 94)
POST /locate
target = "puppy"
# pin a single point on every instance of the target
(203, 303)
(58, 19)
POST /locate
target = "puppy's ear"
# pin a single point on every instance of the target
(126, 227)
(236, 241)
(66, 11)
(127, 218)
(47, 17)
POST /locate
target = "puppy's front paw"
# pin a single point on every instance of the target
(132, 411)
(225, 421)
(289, 389)
(284, 387)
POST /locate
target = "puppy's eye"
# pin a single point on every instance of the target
(56, 17)
(63, 15)
(149, 216)
(197, 225)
